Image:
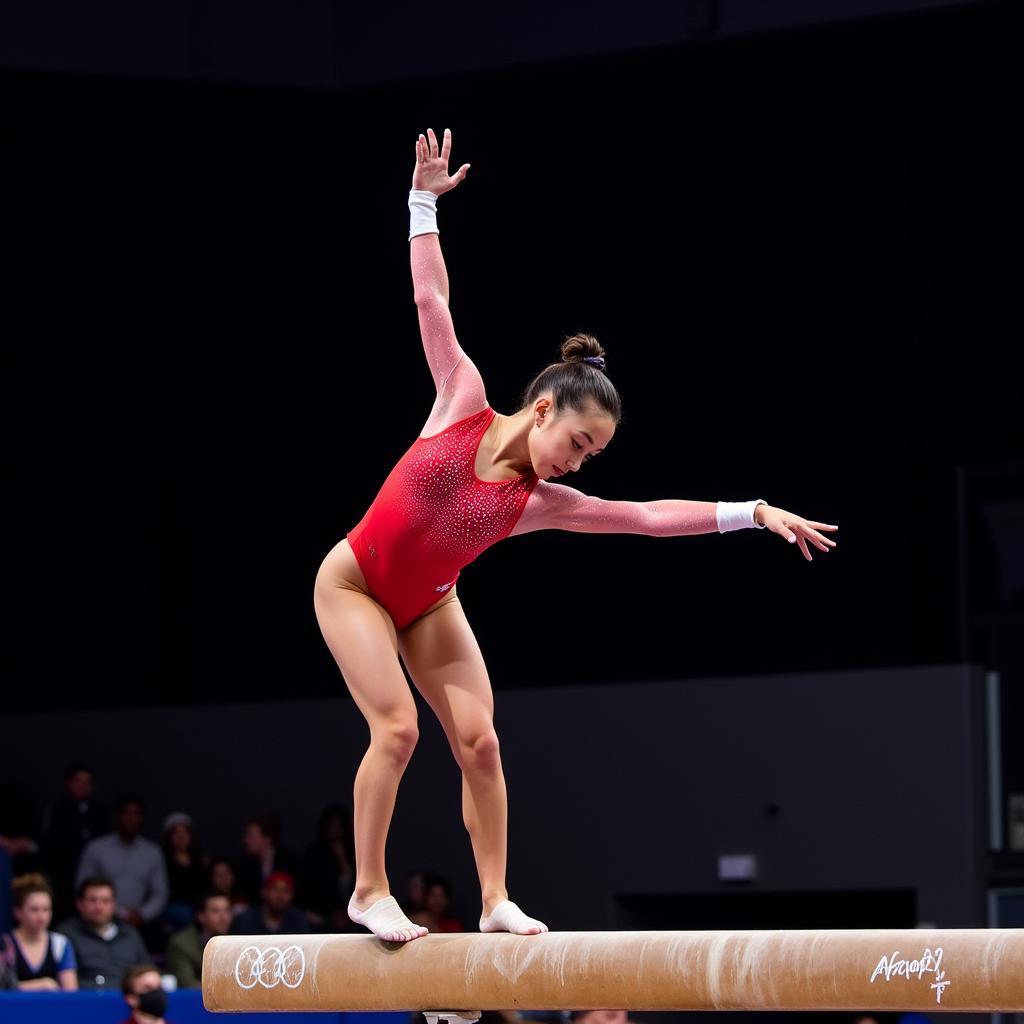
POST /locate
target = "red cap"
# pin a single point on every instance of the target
(280, 876)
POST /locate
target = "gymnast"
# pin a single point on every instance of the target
(472, 477)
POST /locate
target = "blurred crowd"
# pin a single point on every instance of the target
(91, 899)
(132, 913)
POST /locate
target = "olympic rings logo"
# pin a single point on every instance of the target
(270, 966)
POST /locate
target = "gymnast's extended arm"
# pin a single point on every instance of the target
(558, 507)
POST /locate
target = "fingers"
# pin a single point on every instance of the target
(427, 149)
(800, 533)
(820, 542)
(803, 547)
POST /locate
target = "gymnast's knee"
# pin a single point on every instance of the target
(481, 754)
(396, 738)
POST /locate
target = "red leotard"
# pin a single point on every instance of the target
(432, 516)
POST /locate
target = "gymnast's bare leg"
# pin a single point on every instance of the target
(447, 667)
(362, 638)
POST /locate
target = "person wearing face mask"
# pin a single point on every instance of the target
(144, 995)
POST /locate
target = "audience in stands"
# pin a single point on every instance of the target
(262, 856)
(144, 995)
(6, 892)
(599, 1017)
(222, 882)
(131, 892)
(519, 1017)
(104, 948)
(187, 870)
(185, 949)
(134, 864)
(275, 915)
(69, 822)
(41, 960)
(328, 877)
(8, 979)
(414, 891)
(434, 916)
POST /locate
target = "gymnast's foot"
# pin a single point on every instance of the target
(384, 917)
(507, 917)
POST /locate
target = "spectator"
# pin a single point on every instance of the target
(600, 1017)
(8, 979)
(437, 893)
(328, 871)
(518, 1017)
(134, 864)
(262, 856)
(185, 950)
(144, 995)
(42, 960)
(222, 882)
(6, 875)
(186, 870)
(69, 822)
(413, 892)
(276, 915)
(104, 948)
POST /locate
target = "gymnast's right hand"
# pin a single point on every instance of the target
(431, 173)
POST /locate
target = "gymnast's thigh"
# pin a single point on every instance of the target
(362, 638)
(447, 667)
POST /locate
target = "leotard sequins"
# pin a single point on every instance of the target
(432, 516)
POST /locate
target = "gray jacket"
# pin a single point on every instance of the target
(103, 962)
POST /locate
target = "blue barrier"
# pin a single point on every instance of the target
(183, 1007)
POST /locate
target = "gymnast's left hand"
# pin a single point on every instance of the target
(431, 171)
(795, 528)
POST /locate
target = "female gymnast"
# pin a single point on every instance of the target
(471, 478)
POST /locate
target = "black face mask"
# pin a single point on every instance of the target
(153, 1003)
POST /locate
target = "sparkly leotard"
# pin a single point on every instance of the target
(432, 516)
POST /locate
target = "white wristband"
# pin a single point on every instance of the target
(737, 515)
(422, 212)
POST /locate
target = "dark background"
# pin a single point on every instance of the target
(798, 241)
(797, 248)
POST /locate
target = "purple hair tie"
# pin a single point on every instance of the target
(597, 361)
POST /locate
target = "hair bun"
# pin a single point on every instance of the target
(583, 348)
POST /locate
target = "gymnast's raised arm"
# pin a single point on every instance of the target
(430, 279)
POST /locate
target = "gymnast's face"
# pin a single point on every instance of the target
(562, 441)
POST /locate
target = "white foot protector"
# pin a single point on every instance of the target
(507, 917)
(386, 920)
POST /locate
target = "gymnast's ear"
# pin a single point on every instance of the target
(542, 408)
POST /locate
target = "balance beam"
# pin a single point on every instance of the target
(957, 970)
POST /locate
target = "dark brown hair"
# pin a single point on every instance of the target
(28, 885)
(96, 882)
(133, 974)
(574, 384)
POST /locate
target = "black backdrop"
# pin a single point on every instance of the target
(797, 249)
